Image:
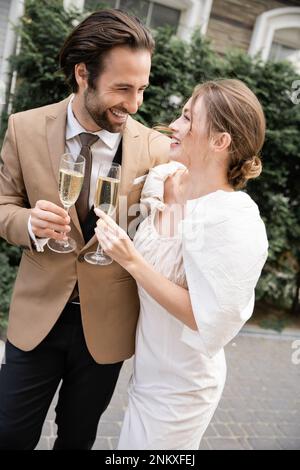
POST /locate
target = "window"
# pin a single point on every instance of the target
(281, 52)
(139, 9)
(162, 15)
(276, 35)
(152, 13)
(286, 45)
(93, 5)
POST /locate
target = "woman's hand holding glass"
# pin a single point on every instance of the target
(106, 198)
(115, 241)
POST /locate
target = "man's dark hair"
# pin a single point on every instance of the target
(95, 36)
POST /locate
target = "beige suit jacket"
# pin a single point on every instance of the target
(31, 152)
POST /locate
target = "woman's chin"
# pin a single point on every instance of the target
(176, 157)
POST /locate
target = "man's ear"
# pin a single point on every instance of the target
(81, 75)
(221, 141)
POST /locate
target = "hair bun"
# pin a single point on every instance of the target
(251, 168)
(239, 174)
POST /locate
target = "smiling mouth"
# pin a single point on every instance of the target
(174, 141)
(119, 114)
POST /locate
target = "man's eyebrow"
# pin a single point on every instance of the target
(128, 85)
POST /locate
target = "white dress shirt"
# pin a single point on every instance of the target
(103, 150)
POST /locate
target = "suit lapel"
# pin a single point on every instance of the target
(56, 139)
(131, 155)
(132, 152)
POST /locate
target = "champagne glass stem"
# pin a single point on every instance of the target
(99, 251)
(66, 243)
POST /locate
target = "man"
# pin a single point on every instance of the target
(70, 320)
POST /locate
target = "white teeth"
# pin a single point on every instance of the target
(174, 141)
(118, 113)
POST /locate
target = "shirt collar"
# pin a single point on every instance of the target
(74, 128)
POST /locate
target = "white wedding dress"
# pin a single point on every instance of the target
(178, 375)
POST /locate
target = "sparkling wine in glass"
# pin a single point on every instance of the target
(71, 175)
(106, 199)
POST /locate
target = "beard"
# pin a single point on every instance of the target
(100, 113)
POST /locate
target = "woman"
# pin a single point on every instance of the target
(196, 260)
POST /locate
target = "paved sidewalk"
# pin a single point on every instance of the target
(260, 407)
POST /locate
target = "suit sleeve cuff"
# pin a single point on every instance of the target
(39, 243)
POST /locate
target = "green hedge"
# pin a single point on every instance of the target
(9, 260)
(177, 67)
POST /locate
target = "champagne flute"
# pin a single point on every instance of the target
(71, 175)
(106, 199)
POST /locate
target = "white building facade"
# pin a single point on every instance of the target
(10, 12)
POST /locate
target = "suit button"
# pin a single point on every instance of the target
(81, 258)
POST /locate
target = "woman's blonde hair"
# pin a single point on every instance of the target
(232, 107)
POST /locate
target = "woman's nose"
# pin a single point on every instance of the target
(173, 126)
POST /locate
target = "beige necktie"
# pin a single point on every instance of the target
(82, 204)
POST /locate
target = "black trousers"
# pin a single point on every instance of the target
(29, 380)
